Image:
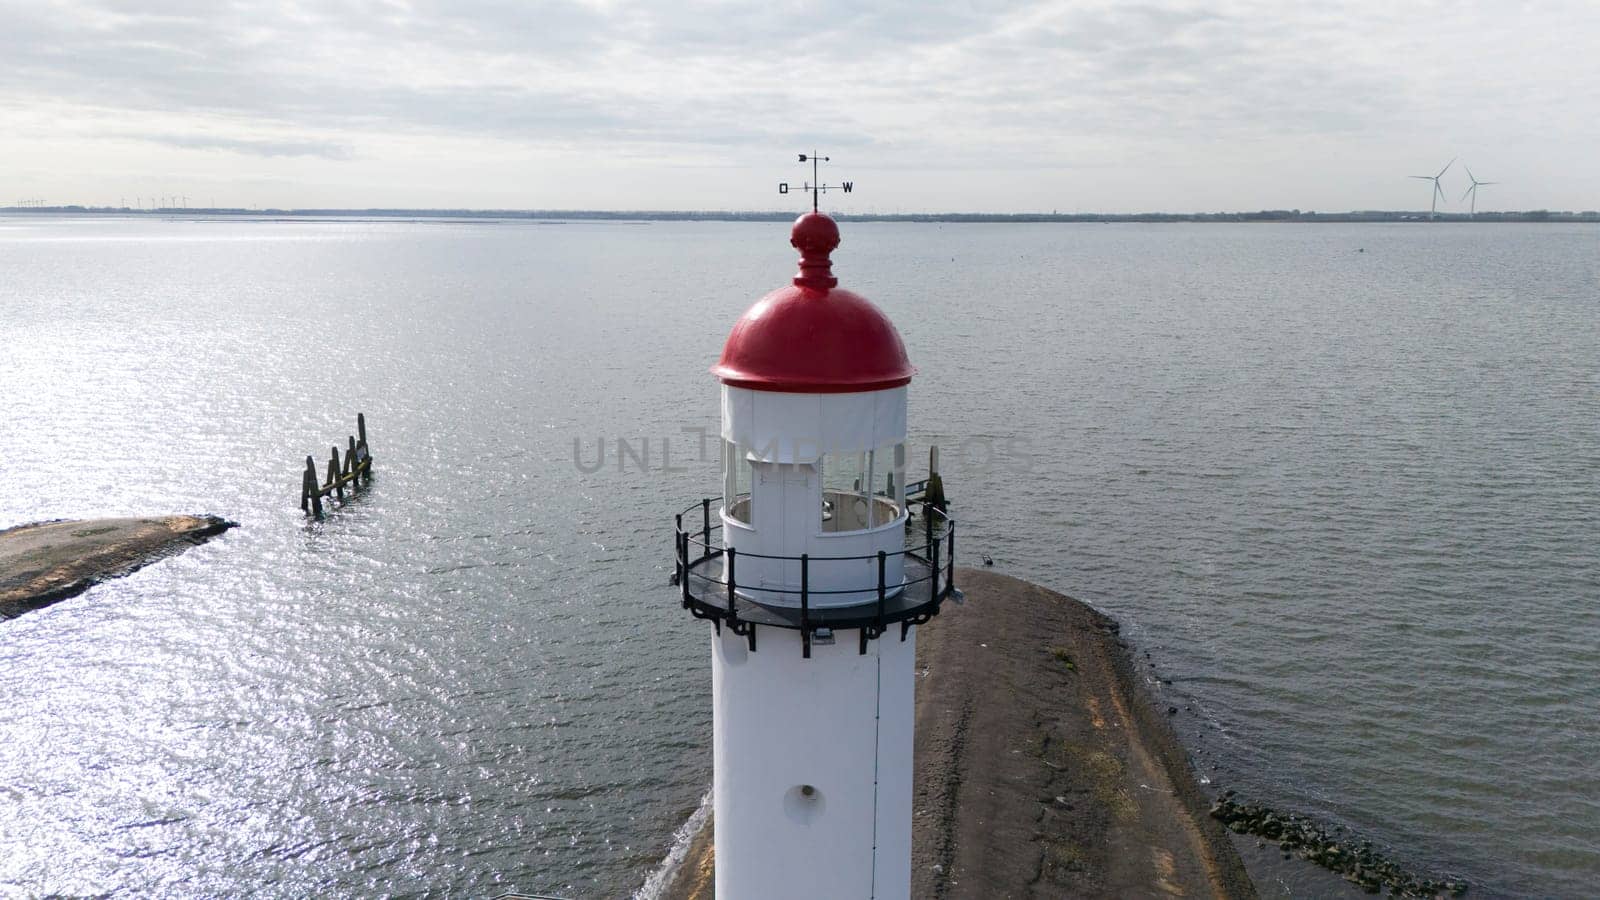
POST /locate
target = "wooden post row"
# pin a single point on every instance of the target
(355, 469)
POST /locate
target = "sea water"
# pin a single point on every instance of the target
(1340, 481)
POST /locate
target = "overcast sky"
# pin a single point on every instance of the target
(1002, 106)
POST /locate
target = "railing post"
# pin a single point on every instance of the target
(705, 526)
(683, 553)
(927, 521)
(883, 588)
(934, 561)
(732, 554)
(677, 548)
(950, 577)
(805, 605)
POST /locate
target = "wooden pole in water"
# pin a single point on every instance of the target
(333, 473)
(311, 485)
(366, 449)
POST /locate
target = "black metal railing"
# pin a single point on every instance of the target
(719, 600)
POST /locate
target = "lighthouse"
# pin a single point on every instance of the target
(814, 574)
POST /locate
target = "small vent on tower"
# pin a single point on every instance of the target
(803, 804)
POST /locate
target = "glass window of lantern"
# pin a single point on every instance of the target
(889, 491)
(737, 477)
(846, 482)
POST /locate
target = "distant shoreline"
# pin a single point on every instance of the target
(1537, 216)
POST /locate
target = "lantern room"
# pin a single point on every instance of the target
(814, 430)
(813, 514)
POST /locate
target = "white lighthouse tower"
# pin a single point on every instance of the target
(815, 576)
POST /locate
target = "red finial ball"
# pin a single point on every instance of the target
(815, 236)
(814, 233)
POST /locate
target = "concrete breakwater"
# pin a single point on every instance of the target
(1043, 767)
(44, 562)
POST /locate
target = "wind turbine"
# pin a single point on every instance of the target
(1473, 191)
(1433, 199)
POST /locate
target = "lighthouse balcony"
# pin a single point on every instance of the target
(841, 536)
(865, 579)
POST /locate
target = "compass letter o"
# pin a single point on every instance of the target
(783, 187)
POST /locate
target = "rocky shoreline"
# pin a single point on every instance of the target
(44, 562)
(1356, 860)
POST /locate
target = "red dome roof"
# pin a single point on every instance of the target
(814, 337)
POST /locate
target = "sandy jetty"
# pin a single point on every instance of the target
(50, 561)
(1043, 766)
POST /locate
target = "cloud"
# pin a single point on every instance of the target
(1005, 85)
(695, 73)
(250, 146)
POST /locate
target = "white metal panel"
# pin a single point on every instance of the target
(781, 721)
(784, 427)
(897, 687)
(802, 518)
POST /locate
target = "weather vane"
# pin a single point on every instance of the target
(815, 185)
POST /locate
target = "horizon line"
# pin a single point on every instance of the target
(776, 215)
